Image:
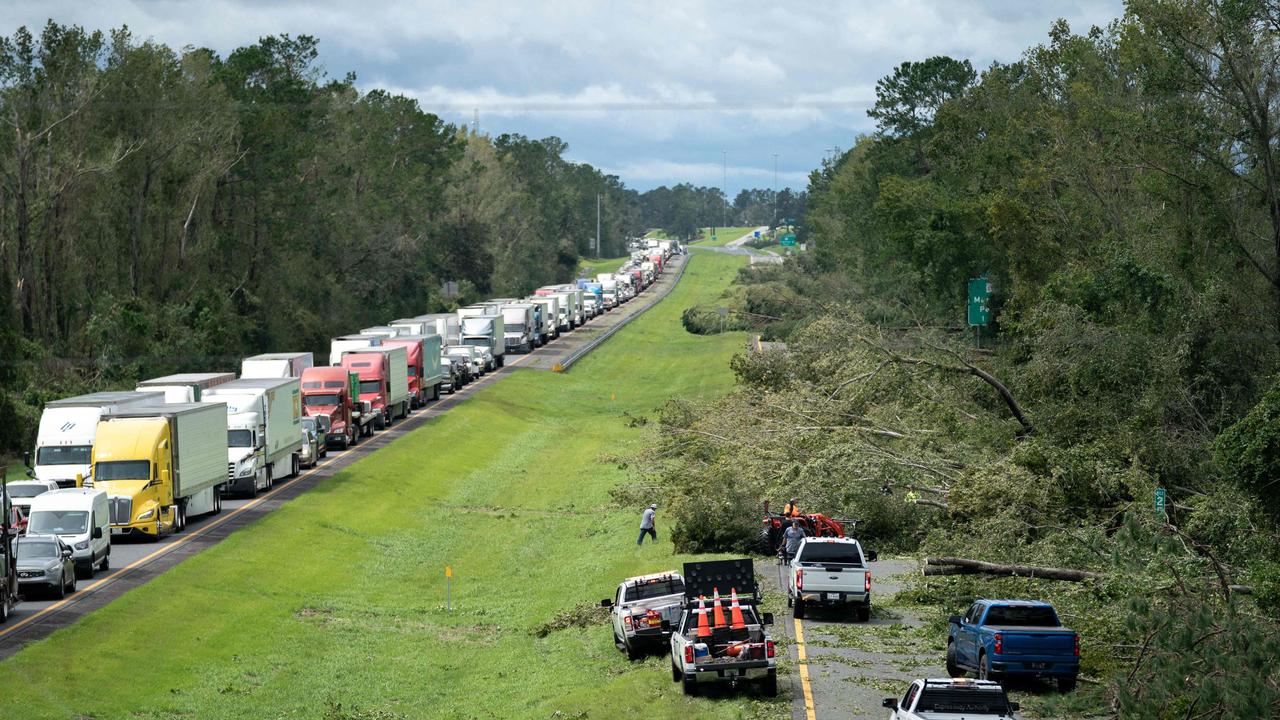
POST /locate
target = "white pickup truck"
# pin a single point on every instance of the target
(832, 572)
(951, 699)
(639, 609)
(733, 653)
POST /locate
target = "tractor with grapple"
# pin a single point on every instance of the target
(814, 524)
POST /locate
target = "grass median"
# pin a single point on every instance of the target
(333, 606)
(723, 236)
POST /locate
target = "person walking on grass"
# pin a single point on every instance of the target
(646, 524)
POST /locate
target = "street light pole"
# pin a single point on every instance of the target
(724, 181)
(775, 190)
(597, 226)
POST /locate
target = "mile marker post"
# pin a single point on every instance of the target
(448, 588)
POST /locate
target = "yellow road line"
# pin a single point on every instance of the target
(809, 712)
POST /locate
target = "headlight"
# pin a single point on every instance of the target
(82, 545)
(147, 515)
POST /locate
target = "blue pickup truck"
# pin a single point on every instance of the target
(1013, 637)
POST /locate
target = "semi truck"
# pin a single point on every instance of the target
(486, 331)
(160, 464)
(519, 326)
(566, 318)
(9, 597)
(334, 393)
(264, 431)
(550, 316)
(276, 365)
(64, 437)
(185, 387)
(447, 326)
(423, 358)
(351, 343)
(415, 326)
(384, 382)
(385, 331)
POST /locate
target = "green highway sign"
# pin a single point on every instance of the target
(788, 239)
(1159, 499)
(979, 303)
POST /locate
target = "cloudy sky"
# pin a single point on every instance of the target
(657, 93)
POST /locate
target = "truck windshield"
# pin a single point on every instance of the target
(36, 549)
(319, 400)
(58, 522)
(963, 700)
(122, 470)
(26, 490)
(823, 552)
(476, 342)
(370, 386)
(64, 455)
(1021, 615)
(240, 438)
(657, 588)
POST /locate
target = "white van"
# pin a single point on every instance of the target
(80, 517)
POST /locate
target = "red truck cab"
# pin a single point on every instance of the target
(638, 278)
(413, 349)
(374, 376)
(328, 392)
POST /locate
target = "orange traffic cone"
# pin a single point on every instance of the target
(718, 610)
(735, 612)
(704, 630)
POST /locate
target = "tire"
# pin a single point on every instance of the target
(789, 601)
(953, 670)
(984, 671)
(4, 610)
(675, 672)
(380, 422)
(217, 502)
(71, 587)
(797, 610)
(61, 592)
(106, 562)
(688, 685)
(346, 441)
(864, 613)
(1066, 684)
(271, 480)
(295, 465)
(632, 653)
(766, 540)
(770, 684)
(182, 516)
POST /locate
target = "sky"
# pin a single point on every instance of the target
(654, 92)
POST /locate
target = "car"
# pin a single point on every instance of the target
(451, 369)
(830, 571)
(473, 355)
(937, 698)
(20, 494)
(45, 564)
(639, 608)
(311, 443)
(996, 638)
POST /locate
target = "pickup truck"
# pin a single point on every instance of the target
(829, 571)
(639, 608)
(936, 699)
(1013, 637)
(704, 652)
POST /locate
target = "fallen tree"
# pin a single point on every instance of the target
(967, 566)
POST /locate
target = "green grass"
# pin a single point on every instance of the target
(592, 268)
(723, 235)
(338, 597)
(659, 233)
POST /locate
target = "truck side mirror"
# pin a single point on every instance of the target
(97, 533)
(606, 603)
(891, 703)
(768, 619)
(66, 552)
(26, 458)
(954, 619)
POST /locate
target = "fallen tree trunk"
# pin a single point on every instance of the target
(966, 565)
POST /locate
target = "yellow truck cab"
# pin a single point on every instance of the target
(158, 464)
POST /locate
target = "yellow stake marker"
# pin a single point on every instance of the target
(448, 587)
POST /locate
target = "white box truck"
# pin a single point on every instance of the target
(485, 331)
(351, 343)
(447, 326)
(185, 387)
(518, 328)
(569, 303)
(276, 365)
(550, 316)
(414, 326)
(385, 331)
(398, 395)
(64, 438)
(160, 464)
(264, 431)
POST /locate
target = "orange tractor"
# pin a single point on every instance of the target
(814, 524)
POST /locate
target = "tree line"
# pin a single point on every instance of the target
(1118, 190)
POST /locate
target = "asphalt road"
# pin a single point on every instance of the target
(738, 246)
(134, 562)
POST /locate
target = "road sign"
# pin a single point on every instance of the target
(1159, 499)
(789, 239)
(979, 302)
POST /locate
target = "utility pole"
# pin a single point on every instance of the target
(597, 226)
(724, 182)
(775, 191)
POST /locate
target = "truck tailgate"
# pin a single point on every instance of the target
(1036, 640)
(834, 578)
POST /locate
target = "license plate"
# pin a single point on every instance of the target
(833, 596)
(1038, 665)
(117, 531)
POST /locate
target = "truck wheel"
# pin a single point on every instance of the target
(688, 685)
(346, 441)
(984, 668)
(295, 466)
(864, 613)
(633, 654)
(953, 670)
(770, 684)
(271, 480)
(4, 610)
(71, 586)
(106, 561)
(180, 517)
(767, 546)
(798, 610)
(380, 422)
(1066, 684)
(675, 672)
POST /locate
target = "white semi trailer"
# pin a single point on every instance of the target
(276, 365)
(264, 431)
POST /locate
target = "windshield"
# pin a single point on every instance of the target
(36, 549)
(122, 470)
(476, 342)
(26, 490)
(64, 455)
(653, 589)
(823, 552)
(1024, 616)
(309, 423)
(58, 522)
(370, 386)
(967, 700)
(239, 438)
(319, 400)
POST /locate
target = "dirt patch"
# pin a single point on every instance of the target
(578, 616)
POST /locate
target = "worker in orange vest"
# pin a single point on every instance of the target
(792, 508)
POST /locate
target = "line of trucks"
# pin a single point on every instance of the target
(140, 463)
